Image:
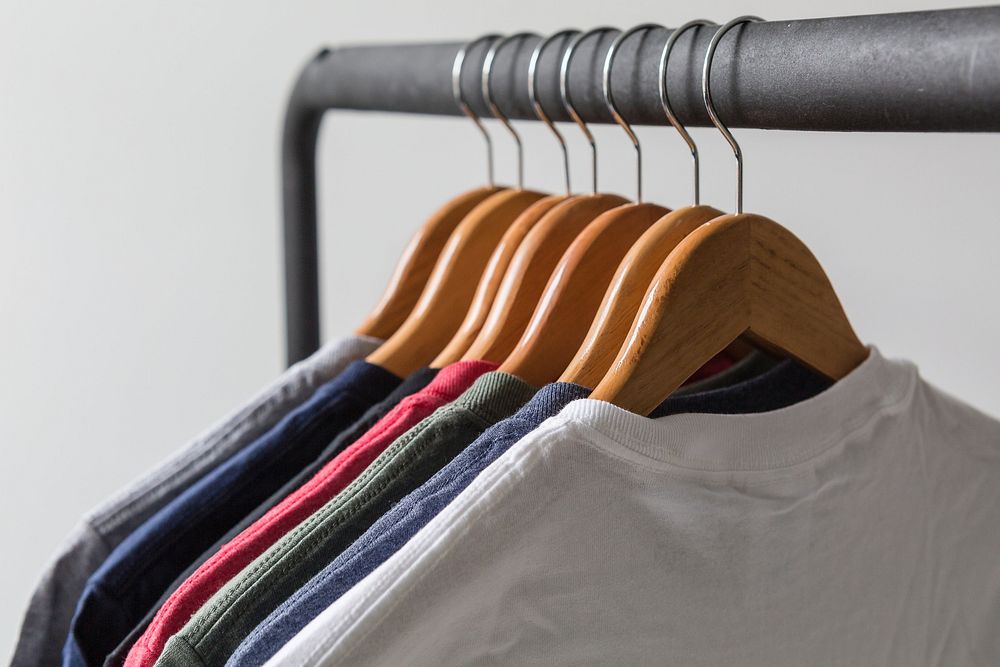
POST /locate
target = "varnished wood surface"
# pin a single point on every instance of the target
(489, 284)
(530, 270)
(628, 287)
(450, 288)
(735, 275)
(414, 267)
(571, 298)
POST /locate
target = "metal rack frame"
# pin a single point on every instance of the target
(931, 71)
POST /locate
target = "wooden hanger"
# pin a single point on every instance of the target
(624, 295)
(529, 271)
(417, 262)
(544, 247)
(736, 275)
(449, 290)
(414, 267)
(637, 270)
(574, 291)
(489, 284)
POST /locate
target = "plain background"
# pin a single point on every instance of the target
(140, 296)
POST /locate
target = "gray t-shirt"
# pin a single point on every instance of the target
(46, 621)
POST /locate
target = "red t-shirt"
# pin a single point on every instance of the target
(230, 560)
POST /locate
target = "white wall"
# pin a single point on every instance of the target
(139, 228)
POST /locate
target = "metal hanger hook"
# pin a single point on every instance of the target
(456, 91)
(537, 106)
(487, 82)
(706, 92)
(568, 103)
(609, 100)
(669, 110)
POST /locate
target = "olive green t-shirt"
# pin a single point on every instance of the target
(217, 629)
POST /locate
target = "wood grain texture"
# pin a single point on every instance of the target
(529, 271)
(628, 287)
(489, 284)
(735, 275)
(415, 265)
(450, 288)
(574, 292)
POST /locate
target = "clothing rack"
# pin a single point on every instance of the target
(930, 71)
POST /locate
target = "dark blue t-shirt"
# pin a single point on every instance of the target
(411, 385)
(785, 384)
(136, 573)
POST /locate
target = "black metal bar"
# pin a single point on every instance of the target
(298, 175)
(933, 71)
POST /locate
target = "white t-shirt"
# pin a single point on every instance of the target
(860, 527)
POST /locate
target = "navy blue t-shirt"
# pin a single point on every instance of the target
(120, 593)
(411, 385)
(785, 384)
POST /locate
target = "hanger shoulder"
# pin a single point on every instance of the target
(489, 284)
(415, 266)
(794, 306)
(573, 293)
(733, 275)
(628, 287)
(449, 290)
(693, 308)
(529, 271)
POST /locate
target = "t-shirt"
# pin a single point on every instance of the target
(750, 366)
(785, 384)
(134, 575)
(317, 490)
(858, 527)
(412, 384)
(223, 622)
(47, 619)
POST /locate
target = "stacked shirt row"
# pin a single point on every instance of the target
(345, 515)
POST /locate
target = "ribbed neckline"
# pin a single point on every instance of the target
(453, 379)
(760, 441)
(786, 383)
(495, 396)
(752, 365)
(552, 398)
(414, 382)
(349, 346)
(366, 380)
